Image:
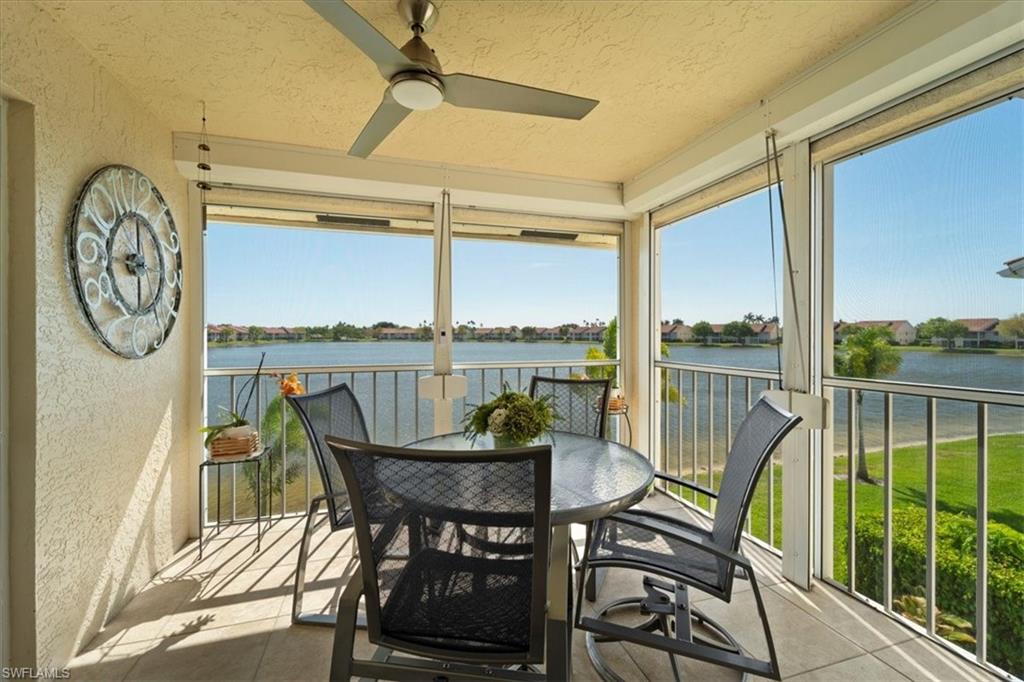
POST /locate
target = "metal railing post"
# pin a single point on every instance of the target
(981, 589)
(851, 490)
(929, 579)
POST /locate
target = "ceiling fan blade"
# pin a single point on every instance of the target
(475, 92)
(387, 117)
(388, 58)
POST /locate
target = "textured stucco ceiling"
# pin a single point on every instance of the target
(665, 72)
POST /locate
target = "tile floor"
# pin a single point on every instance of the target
(227, 617)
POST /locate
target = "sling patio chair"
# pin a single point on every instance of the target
(333, 411)
(580, 405)
(470, 612)
(688, 556)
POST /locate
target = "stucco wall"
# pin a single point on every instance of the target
(109, 493)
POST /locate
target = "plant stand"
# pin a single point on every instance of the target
(218, 462)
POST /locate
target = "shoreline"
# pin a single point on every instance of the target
(921, 443)
(264, 342)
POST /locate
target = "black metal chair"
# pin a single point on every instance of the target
(333, 411)
(473, 609)
(581, 405)
(689, 556)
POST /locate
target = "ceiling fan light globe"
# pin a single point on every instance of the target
(417, 94)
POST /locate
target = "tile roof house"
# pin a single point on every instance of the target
(980, 330)
(397, 333)
(592, 332)
(903, 332)
(676, 332)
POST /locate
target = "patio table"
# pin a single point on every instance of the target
(590, 478)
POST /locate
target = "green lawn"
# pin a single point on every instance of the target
(955, 483)
(956, 470)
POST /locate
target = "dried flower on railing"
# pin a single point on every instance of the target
(290, 385)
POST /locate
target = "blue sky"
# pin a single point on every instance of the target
(921, 226)
(282, 276)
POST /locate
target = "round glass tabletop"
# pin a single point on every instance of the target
(590, 477)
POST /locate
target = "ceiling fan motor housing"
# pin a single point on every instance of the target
(420, 53)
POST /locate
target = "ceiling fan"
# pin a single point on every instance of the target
(415, 80)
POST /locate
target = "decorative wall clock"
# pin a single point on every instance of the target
(124, 258)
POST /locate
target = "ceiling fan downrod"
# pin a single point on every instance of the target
(419, 15)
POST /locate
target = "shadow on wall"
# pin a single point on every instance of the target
(137, 531)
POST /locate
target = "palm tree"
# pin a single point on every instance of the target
(866, 353)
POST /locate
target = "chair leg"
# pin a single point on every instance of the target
(345, 630)
(300, 571)
(726, 651)
(763, 615)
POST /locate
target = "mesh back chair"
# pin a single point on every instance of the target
(470, 607)
(333, 411)
(689, 556)
(581, 405)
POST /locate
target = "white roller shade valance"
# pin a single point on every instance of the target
(727, 189)
(1001, 77)
(248, 206)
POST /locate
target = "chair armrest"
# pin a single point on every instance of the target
(666, 527)
(353, 591)
(686, 484)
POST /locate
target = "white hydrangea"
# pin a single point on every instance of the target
(496, 421)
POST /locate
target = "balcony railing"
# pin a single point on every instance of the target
(700, 408)
(394, 412)
(933, 455)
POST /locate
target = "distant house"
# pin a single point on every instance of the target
(980, 331)
(503, 333)
(226, 332)
(549, 333)
(397, 333)
(281, 334)
(767, 332)
(903, 333)
(676, 332)
(763, 333)
(593, 332)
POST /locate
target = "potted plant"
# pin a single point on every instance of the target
(235, 426)
(512, 418)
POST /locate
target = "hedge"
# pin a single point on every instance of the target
(955, 571)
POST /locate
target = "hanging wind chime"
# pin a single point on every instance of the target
(203, 167)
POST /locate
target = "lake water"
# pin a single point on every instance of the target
(395, 416)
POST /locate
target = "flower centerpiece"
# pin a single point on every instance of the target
(513, 418)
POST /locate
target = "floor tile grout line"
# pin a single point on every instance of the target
(951, 659)
(263, 654)
(888, 619)
(890, 667)
(781, 596)
(827, 665)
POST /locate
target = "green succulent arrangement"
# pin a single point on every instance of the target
(233, 419)
(511, 417)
